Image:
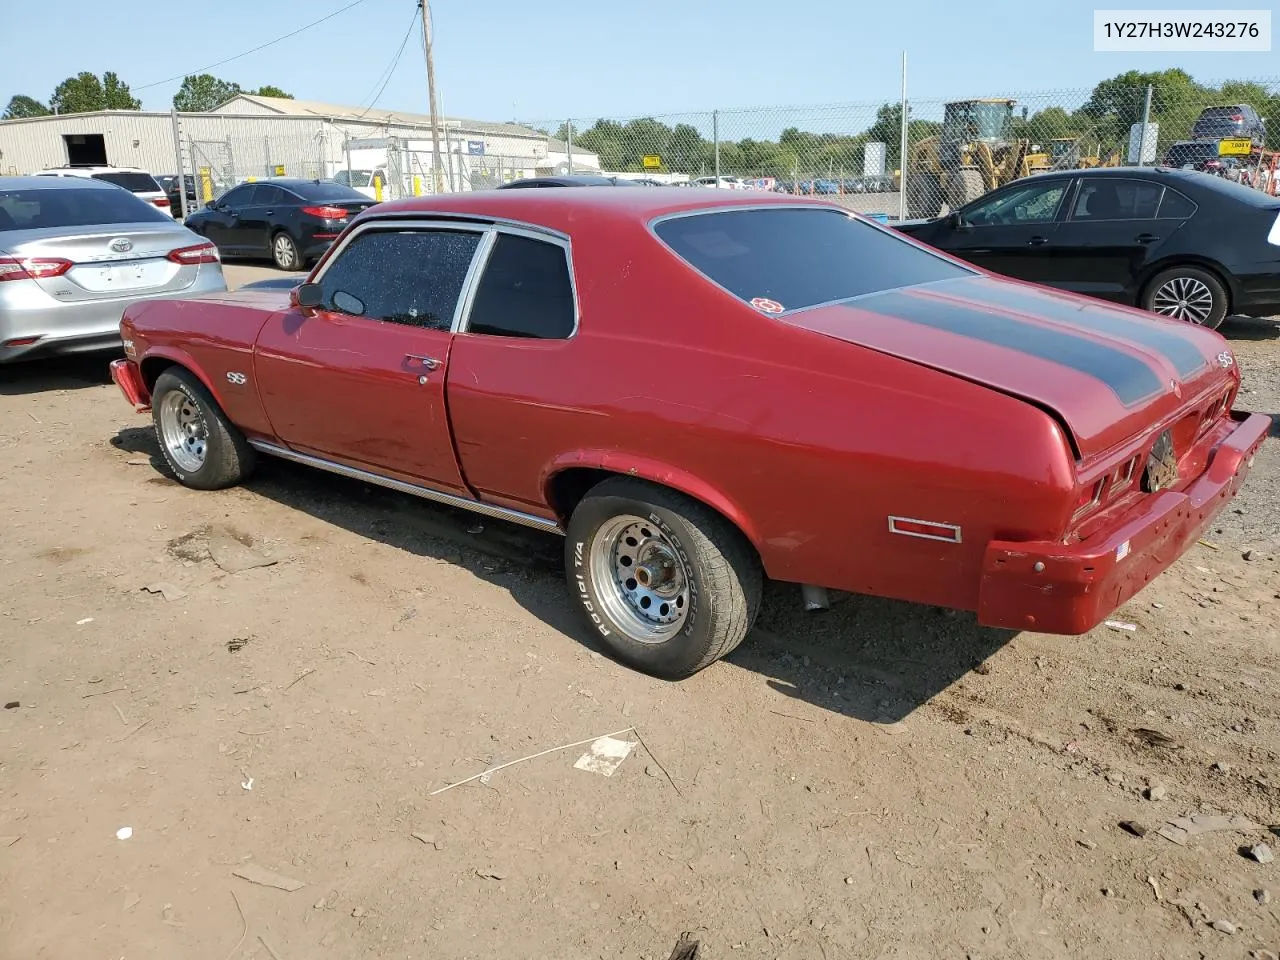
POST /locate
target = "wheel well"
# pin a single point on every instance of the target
(152, 367)
(1211, 268)
(567, 489)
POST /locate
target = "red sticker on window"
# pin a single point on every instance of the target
(765, 305)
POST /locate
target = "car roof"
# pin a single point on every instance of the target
(575, 180)
(90, 170)
(54, 183)
(568, 210)
(1188, 180)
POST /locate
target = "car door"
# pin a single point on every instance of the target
(219, 221)
(361, 379)
(512, 368)
(253, 229)
(1010, 231)
(1109, 236)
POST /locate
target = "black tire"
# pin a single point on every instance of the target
(1155, 294)
(227, 457)
(964, 186)
(724, 577)
(284, 252)
(924, 194)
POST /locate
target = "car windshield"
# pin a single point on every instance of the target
(36, 209)
(798, 257)
(325, 190)
(354, 178)
(133, 182)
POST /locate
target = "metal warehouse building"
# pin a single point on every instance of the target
(252, 137)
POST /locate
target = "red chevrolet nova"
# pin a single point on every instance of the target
(702, 390)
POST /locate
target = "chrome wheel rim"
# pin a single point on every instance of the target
(1183, 298)
(640, 578)
(183, 431)
(284, 250)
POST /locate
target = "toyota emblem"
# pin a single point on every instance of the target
(121, 244)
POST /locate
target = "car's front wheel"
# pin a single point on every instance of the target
(668, 584)
(1187, 293)
(203, 449)
(285, 252)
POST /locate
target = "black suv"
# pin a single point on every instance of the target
(1239, 120)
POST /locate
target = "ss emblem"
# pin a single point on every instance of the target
(1226, 360)
(236, 378)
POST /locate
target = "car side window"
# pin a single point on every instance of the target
(1112, 199)
(525, 291)
(1029, 203)
(267, 195)
(412, 277)
(236, 196)
(1175, 206)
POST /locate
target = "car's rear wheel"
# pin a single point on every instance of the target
(285, 252)
(667, 584)
(1187, 293)
(203, 449)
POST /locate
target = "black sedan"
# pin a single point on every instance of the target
(1183, 244)
(293, 221)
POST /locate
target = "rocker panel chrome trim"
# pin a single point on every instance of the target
(426, 493)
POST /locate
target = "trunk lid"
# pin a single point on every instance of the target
(1106, 372)
(128, 260)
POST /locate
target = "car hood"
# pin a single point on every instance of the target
(1107, 372)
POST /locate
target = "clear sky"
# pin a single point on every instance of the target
(505, 59)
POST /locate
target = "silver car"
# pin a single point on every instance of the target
(74, 252)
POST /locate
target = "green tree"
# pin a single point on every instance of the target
(202, 92)
(21, 106)
(85, 93)
(270, 91)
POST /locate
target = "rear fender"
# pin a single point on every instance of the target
(654, 471)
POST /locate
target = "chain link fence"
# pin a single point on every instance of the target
(955, 149)
(949, 151)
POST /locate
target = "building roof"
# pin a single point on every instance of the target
(334, 111)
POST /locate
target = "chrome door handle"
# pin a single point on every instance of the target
(430, 363)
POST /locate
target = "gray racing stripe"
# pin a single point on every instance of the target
(1127, 376)
(1182, 354)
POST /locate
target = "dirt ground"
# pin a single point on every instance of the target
(880, 780)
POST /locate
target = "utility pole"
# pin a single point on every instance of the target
(425, 7)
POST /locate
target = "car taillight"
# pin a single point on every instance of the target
(200, 253)
(32, 268)
(327, 213)
(1237, 117)
(161, 202)
(1089, 498)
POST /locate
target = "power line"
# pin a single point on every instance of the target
(269, 43)
(386, 76)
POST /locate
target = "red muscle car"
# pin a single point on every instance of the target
(703, 390)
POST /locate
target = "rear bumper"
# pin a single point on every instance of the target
(128, 378)
(1052, 588)
(55, 327)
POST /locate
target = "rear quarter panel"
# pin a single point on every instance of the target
(212, 337)
(807, 443)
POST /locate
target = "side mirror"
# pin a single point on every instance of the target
(957, 222)
(307, 296)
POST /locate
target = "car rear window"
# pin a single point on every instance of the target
(797, 257)
(39, 209)
(326, 190)
(133, 182)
